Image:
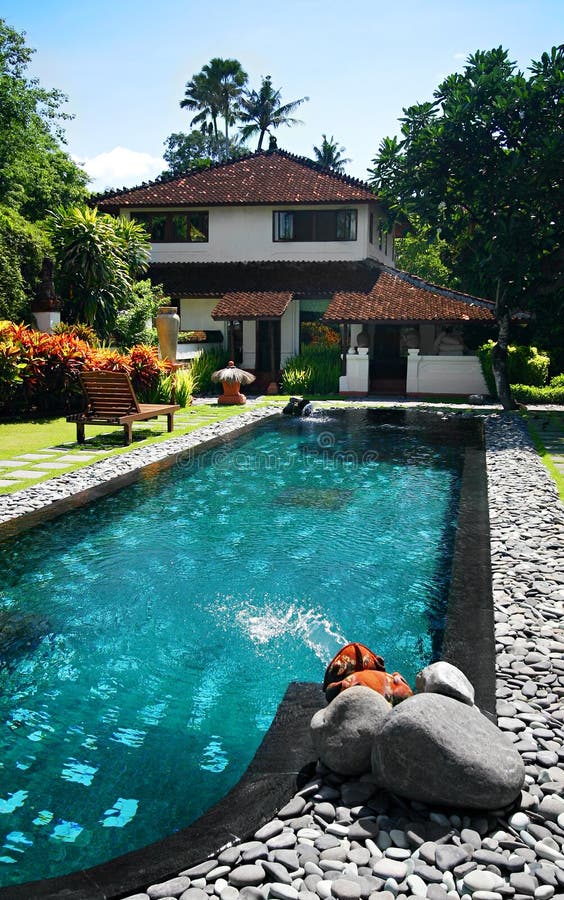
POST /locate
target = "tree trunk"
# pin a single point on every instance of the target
(499, 354)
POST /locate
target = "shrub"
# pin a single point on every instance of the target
(39, 371)
(530, 394)
(318, 333)
(80, 330)
(557, 381)
(206, 362)
(185, 386)
(525, 366)
(138, 309)
(315, 370)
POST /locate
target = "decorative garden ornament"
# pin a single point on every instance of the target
(168, 326)
(231, 379)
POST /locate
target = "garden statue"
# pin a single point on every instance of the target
(231, 379)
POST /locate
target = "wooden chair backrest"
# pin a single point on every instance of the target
(109, 393)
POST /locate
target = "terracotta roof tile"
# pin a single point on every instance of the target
(271, 177)
(399, 297)
(252, 305)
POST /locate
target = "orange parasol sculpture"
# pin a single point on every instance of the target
(231, 379)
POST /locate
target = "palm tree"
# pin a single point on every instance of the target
(263, 110)
(215, 92)
(329, 155)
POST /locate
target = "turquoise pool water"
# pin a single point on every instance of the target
(148, 639)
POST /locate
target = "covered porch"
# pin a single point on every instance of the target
(406, 337)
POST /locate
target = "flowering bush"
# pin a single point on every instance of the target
(318, 333)
(39, 371)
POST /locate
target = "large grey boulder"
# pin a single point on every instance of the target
(434, 749)
(343, 732)
(444, 678)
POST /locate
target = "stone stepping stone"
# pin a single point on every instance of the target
(52, 464)
(34, 457)
(80, 457)
(10, 464)
(20, 474)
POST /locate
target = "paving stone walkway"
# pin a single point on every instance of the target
(28, 468)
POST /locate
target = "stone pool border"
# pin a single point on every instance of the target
(528, 606)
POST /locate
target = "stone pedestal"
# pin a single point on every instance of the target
(356, 381)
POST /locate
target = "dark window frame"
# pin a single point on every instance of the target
(196, 220)
(315, 220)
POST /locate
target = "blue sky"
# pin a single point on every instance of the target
(124, 64)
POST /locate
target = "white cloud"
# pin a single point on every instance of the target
(121, 167)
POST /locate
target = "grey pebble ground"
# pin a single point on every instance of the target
(338, 839)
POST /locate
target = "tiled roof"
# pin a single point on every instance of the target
(271, 177)
(252, 305)
(398, 297)
(310, 279)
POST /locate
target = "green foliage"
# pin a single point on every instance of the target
(557, 381)
(186, 385)
(78, 330)
(262, 110)
(97, 258)
(482, 162)
(22, 248)
(215, 92)
(206, 362)
(330, 155)
(319, 333)
(421, 252)
(138, 308)
(315, 370)
(196, 150)
(525, 393)
(525, 366)
(35, 173)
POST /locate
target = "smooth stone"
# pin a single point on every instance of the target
(523, 883)
(443, 678)
(359, 855)
(270, 830)
(416, 885)
(428, 873)
(447, 856)
(343, 889)
(294, 808)
(436, 892)
(356, 792)
(275, 871)
(390, 868)
(362, 828)
(246, 876)
(168, 888)
(433, 749)
(229, 893)
(283, 891)
(343, 732)
(469, 836)
(323, 889)
(482, 880)
(551, 807)
(194, 894)
(326, 811)
(519, 820)
(283, 841)
(288, 858)
(229, 856)
(201, 870)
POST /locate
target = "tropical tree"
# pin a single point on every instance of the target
(188, 152)
(482, 162)
(421, 251)
(97, 259)
(215, 92)
(263, 110)
(330, 154)
(35, 173)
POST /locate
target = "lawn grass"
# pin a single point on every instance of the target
(19, 437)
(554, 420)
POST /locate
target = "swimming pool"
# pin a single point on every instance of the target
(153, 633)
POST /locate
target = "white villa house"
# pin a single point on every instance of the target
(258, 246)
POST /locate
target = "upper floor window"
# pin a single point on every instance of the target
(315, 225)
(175, 227)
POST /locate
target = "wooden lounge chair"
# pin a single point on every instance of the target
(111, 400)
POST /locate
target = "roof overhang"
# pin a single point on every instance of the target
(252, 305)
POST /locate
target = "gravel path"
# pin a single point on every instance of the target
(338, 839)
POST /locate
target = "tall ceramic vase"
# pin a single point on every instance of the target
(168, 325)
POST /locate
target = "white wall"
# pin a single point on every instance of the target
(195, 314)
(444, 375)
(290, 332)
(239, 234)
